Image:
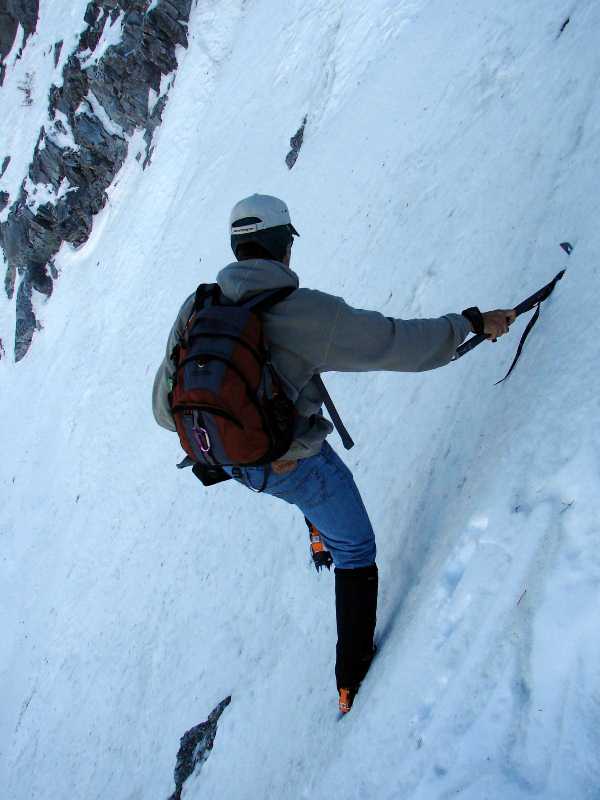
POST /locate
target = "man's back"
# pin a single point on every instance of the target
(311, 332)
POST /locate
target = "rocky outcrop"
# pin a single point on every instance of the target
(195, 746)
(100, 103)
(295, 144)
(12, 14)
(4, 197)
(57, 52)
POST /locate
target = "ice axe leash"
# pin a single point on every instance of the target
(536, 299)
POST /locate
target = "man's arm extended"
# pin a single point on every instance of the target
(367, 340)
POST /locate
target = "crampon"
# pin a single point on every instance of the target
(321, 557)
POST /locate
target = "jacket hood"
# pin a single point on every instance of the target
(241, 279)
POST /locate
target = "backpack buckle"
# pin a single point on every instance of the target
(201, 435)
(203, 439)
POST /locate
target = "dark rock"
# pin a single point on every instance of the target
(26, 321)
(11, 269)
(75, 214)
(295, 144)
(57, 52)
(27, 12)
(167, 26)
(5, 164)
(154, 121)
(13, 237)
(46, 165)
(29, 239)
(96, 144)
(8, 30)
(120, 82)
(195, 746)
(67, 97)
(40, 279)
(97, 15)
(13, 13)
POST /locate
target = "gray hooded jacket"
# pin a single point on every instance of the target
(311, 332)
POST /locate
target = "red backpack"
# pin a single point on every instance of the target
(229, 405)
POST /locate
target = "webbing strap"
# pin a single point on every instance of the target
(335, 417)
(262, 303)
(526, 333)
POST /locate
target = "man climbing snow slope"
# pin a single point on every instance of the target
(309, 332)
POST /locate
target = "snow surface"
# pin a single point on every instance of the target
(449, 148)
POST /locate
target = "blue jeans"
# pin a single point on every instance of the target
(323, 488)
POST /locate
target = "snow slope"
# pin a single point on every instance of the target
(449, 148)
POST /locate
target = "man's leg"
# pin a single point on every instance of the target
(356, 611)
(323, 488)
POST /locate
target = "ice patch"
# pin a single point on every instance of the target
(480, 522)
(166, 81)
(456, 565)
(165, 84)
(39, 194)
(64, 189)
(59, 133)
(152, 100)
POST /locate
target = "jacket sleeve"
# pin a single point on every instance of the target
(367, 341)
(163, 382)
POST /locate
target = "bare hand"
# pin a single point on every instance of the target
(496, 323)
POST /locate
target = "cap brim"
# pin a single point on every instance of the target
(294, 231)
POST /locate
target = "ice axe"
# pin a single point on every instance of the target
(536, 299)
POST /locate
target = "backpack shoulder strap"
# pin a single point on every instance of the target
(264, 300)
(204, 292)
(259, 302)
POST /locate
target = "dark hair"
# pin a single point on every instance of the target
(248, 250)
(269, 243)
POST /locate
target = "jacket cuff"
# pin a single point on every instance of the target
(461, 327)
(475, 317)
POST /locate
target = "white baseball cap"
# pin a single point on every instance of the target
(257, 213)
